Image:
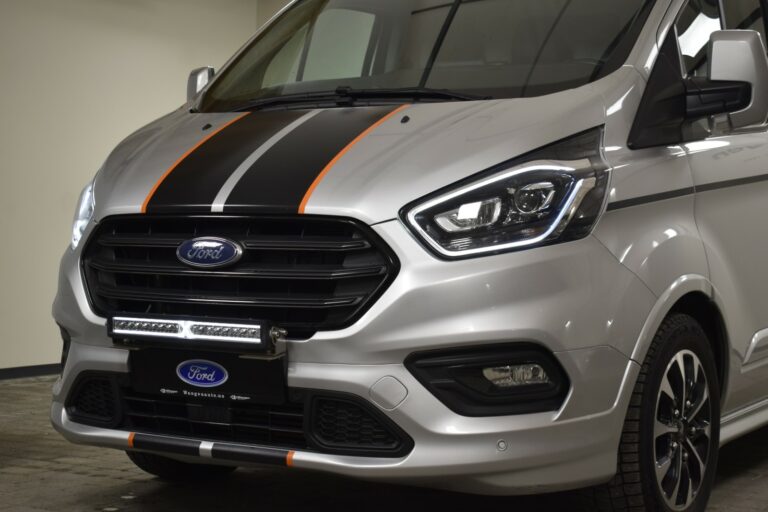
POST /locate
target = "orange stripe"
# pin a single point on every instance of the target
(184, 157)
(131, 436)
(289, 459)
(343, 152)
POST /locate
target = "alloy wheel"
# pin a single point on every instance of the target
(682, 430)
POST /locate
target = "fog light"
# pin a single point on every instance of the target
(493, 380)
(517, 375)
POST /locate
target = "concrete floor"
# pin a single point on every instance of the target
(39, 471)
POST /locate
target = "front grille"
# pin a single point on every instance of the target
(303, 273)
(310, 420)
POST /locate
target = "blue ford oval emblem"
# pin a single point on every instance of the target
(209, 252)
(202, 374)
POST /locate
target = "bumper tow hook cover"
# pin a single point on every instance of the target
(388, 393)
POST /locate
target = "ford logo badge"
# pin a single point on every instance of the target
(209, 252)
(202, 374)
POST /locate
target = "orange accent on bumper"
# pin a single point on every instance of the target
(343, 152)
(184, 157)
(289, 459)
(131, 437)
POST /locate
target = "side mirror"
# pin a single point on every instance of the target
(734, 94)
(198, 79)
(738, 78)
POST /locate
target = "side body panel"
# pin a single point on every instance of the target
(670, 223)
(650, 225)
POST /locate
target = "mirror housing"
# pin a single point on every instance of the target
(704, 97)
(740, 56)
(198, 79)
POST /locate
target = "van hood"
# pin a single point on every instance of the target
(361, 162)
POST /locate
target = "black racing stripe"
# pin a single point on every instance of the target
(195, 182)
(278, 182)
(254, 454)
(166, 444)
(653, 198)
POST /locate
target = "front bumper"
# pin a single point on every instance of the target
(575, 299)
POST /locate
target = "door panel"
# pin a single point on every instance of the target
(731, 178)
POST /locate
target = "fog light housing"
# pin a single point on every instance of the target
(496, 380)
(516, 375)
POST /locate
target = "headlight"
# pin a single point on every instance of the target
(552, 195)
(83, 215)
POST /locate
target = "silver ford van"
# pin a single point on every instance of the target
(493, 246)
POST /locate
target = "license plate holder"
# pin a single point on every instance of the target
(159, 371)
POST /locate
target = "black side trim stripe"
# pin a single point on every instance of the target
(708, 187)
(278, 181)
(637, 201)
(732, 183)
(195, 182)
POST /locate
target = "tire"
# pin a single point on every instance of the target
(174, 471)
(679, 343)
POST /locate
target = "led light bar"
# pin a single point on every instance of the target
(187, 330)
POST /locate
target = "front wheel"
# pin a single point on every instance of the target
(669, 445)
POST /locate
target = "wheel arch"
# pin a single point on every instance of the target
(707, 313)
(692, 295)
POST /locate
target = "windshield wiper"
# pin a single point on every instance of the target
(287, 99)
(413, 93)
(346, 96)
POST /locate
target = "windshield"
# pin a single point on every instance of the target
(482, 48)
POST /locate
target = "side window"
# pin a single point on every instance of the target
(340, 44)
(694, 27)
(661, 118)
(745, 15)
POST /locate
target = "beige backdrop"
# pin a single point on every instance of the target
(267, 8)
(76, 76)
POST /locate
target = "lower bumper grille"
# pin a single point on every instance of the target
(340, 423)
(95, 401)
(314, 421)
(249, 424)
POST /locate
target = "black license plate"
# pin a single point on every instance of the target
(204, 376)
